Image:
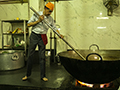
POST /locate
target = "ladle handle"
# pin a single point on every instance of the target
(58, 34)
(73, 49)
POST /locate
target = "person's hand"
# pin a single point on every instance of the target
(61, 36)
(40, 18)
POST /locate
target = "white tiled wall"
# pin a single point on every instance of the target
(82, 22)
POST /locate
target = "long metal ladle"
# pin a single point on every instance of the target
(58, 34)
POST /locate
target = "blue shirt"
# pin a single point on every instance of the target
(41, 27)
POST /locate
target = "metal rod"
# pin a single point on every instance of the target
(55, 44)
(50, 47)
(2, 35)
(59, 35)
(25, 45)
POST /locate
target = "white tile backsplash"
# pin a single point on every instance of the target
(82, 22)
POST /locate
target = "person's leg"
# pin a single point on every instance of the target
(41, 47)
(31, 50)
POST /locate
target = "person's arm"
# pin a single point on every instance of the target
(32, 23)
(36, 22)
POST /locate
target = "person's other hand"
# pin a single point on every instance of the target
(61, 36)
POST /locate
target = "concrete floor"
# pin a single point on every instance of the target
(55, 73)
(59, 79)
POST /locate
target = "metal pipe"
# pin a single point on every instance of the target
(55, 49)
(25, 45)
(59, 35)
(50, 46)
(55, 42)
(2, 35)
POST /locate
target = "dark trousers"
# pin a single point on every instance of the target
(35, 39)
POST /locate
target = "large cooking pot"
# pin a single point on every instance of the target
(100, 66)
(11, 59)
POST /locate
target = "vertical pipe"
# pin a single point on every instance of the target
(12, 36)
(54, 11)
(39, 5)
(50, 46)
(28, 10)
(54, 33)
(52, 53)
(2, 35)
(24, 22)
(55, 47)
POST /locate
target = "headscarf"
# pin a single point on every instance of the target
(50, 6)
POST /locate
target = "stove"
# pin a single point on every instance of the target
(73, 84)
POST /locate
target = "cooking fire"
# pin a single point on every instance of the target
(82, 84)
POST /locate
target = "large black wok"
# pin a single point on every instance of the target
(96, 69)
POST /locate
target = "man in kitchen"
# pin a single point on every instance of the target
(38, 37)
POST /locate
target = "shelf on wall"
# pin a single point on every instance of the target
(14, 47)
(22, 24)
(13, 21)
(14, 34)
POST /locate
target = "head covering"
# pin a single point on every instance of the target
(50, 6)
